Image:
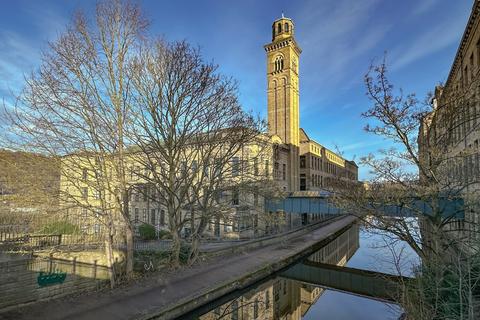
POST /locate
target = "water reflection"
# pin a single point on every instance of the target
(281, 298)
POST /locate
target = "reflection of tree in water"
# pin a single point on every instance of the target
(280, 297)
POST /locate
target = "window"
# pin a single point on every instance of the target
(206, 169)
(218, 168)
(152, 216)
(284, 172)
(478, 53)
(162, 217)
(145, 215)
(235, 310)
(235, 197)
(279, 28)
(183, 168)
(255, 166)
(471, 67)
(136, 215)
(278, 63)
(194, 166)
(235, 166)
(302, 162)
(96, 228)
(267, 168)
(286, 27)
(85, 193)
(255, 309)
(267, 299)
(465, 76)
(84, 174)
(84, 214)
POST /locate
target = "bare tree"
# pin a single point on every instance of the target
(188, 127)
(75, 106)
(417, 194)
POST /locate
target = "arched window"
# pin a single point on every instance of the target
(286, 27)
(278, 63)
(279, 28)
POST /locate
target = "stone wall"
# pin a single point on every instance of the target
(20, 282)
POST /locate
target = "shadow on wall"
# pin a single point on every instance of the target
(25, 279)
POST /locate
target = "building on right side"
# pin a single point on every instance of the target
(448, 138)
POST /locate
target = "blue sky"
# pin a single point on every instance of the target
(339, 39)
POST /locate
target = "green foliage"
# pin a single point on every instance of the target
(147, 232)
(184, 253)
(143, 260)
(443, 289)
(164, 234)
(60, 227)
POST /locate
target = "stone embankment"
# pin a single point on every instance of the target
(169, 297)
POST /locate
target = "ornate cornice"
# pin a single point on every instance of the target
(472, 20)
(290, 41)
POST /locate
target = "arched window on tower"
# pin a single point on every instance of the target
(279, 28)
(278, 63)
(286, 27)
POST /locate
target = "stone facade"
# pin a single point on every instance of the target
(450, 134)
(310, 165)
(19, 282)
(320, 167)
(292, 160)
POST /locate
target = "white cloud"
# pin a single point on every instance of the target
(423, 6)
(361, 145)
(446, 33)
(17, 56)
(20, 52)
(335, 35)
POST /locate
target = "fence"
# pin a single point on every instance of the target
(20, 241)
(30, 278)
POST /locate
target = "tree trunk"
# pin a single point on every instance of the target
(129, 253)
(175, 254)
(110, 259)
(196, 236)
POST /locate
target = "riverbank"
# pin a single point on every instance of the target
(169, 297)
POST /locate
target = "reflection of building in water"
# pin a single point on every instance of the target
(340, 250)
(283, 298)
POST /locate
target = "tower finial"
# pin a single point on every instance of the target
(283, 15)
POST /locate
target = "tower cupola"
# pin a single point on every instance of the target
(282, 28)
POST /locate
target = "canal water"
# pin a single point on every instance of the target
(279, 297)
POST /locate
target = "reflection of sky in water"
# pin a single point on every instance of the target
(336, 305)
(371, 255)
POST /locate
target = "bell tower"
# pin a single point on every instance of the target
(282, 82)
